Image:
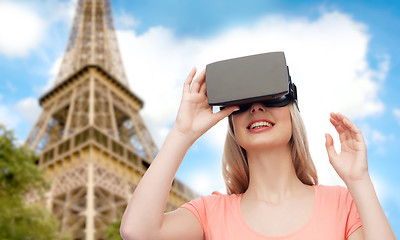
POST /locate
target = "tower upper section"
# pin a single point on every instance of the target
(92, 41)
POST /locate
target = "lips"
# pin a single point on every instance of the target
(260, 123)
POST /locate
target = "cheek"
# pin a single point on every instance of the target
(283, 114)
(288, 127)
(289, 131)
(237, 124)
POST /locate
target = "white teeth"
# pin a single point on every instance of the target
(260, 124)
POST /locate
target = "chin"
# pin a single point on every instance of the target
(267, 145)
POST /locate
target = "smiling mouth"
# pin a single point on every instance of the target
(261, 124)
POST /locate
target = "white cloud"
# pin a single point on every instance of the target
(20, 115)
(387, 192)
(375, 138)
(125, 20)
(52, 74)
(396, 113)
(21, 29)
(202, 181)
(29, 109)
(327, 59)
(382, 188)
(8, 118)
(378, 136)
(60, 11)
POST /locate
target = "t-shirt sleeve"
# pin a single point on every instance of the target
(353, 218)
(197, 207)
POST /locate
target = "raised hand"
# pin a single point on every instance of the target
(351, 163)
(195, 116)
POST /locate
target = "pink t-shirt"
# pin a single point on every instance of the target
(334, 217)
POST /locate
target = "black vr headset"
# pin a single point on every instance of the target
(243, 81)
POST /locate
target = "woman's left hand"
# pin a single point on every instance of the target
(351, 163)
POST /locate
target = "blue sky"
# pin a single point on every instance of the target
(343, 56)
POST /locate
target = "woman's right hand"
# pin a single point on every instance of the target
(195, 116)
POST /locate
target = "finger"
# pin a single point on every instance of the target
(341, 128)
(354, 130)
(337, 117)
(347, 122)
(196, 85)
(333, 121)
(203, 88)
(189, 79)
(218, 116)
(349, 127)
(330, 149)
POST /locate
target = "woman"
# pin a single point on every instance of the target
(272, 186)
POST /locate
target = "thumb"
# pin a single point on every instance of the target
(225, 112)
(332, 154)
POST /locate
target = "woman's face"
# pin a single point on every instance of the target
(262, 127)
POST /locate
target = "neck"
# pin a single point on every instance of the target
(272, 174)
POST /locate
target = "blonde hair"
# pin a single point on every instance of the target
(235, 168)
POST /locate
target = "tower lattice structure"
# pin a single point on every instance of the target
(91, 140)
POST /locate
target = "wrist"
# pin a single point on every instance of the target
(359, 183)
(179, 137)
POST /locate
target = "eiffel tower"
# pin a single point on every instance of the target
(91, 140)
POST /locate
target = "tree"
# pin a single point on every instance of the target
(19, 174)
(112, 230)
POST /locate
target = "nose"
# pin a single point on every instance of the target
(255, 107)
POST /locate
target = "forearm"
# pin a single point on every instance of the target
(145, 211)
(375, 223)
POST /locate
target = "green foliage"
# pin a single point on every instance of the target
(18, 171)
(112, 230)
(19, 175)
(20, 221)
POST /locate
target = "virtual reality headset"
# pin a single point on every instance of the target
(243, 81)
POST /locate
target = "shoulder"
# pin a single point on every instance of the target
(332, 191)
(217, 199)
(212, 203)
(334, 195)
(336, 208)
(336, 190)
(215, 212)
(211, 207)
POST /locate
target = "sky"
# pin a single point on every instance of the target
(343, 56)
